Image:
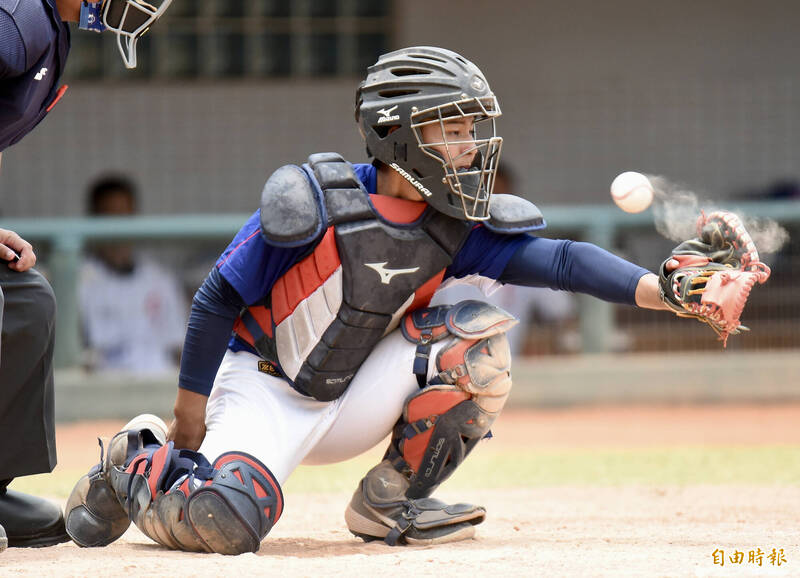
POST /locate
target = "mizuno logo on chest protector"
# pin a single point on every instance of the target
(387, 274)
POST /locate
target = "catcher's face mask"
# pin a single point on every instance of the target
(463, 137)
(128, 19)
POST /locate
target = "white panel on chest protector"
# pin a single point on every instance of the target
(303, 327)
(299, 333)
(319, 313)
(333, 291)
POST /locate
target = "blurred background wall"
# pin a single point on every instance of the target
(705, 92)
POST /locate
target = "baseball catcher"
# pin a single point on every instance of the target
(710, 277)
(313, 337)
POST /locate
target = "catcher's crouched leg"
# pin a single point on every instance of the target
(180, 501)
(440, 426)
(94, 514)
(175, 497)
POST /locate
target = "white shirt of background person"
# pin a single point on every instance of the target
(132, 322)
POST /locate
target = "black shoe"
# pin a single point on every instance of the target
(30, 521)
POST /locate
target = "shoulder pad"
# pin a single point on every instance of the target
(509, 214)
(291, 208)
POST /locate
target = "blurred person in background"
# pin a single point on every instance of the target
(535, 307)
(133, 311)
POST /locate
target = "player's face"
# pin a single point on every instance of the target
(453, 139)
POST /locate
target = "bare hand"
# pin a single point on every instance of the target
(16, 250)
(188, 430)
(187, 435)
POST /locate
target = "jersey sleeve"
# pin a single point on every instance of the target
(252, 266)
(484, 253)
(573, 266)
(243, 275)
(215, 307)
(12, 48)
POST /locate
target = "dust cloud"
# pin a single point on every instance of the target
(676, 209)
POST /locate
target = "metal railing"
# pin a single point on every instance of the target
(67, 237)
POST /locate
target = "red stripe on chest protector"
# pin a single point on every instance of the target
(423, 295)
(263, 317)
(304, 278)
(241, 330)
(398, 210)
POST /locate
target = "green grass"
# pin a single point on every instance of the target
(763, 465)
(751, 465)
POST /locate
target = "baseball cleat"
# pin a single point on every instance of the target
(379, 510)
(95, 515)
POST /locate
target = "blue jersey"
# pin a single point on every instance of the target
(34, 43)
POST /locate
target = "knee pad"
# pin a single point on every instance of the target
(177, 499)
(239, 506)
(444, 421)
(476, 357)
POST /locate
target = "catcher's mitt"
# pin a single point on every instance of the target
(715, 274)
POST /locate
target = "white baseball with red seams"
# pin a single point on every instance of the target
(632, 192)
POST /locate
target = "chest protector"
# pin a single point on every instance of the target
(324, 316)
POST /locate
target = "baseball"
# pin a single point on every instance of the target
(632, 192)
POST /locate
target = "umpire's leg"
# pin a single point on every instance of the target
(26, 405)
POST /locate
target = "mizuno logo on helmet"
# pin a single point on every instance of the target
(387, 115)
(417, 185)
(387, 274)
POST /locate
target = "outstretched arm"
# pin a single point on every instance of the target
(581, 268)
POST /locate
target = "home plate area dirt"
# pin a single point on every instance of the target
(557, 530)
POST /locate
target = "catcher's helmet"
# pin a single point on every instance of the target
(419, 86)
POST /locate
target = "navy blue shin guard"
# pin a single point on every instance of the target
(176, 498)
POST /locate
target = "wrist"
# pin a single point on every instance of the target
(648, 295)
(189, 405)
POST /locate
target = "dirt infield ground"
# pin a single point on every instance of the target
(536, 525)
